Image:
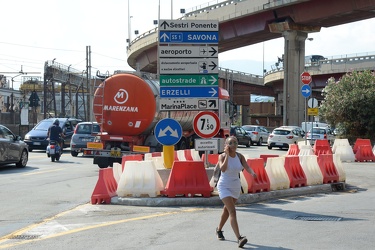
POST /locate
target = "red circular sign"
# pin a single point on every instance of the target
(206, 124)
(306, 78)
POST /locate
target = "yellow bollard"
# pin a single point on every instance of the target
(168, 156)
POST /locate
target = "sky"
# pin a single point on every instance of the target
(33, 32)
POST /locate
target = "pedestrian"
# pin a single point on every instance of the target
(229, 186)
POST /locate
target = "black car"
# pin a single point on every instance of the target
(12, 148)
(83, 133)
(242, 136)
(37, 137)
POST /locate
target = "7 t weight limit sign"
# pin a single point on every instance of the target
(206, 124)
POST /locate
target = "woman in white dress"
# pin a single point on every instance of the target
(229, 186)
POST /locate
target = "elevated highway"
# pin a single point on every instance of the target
(247, 22)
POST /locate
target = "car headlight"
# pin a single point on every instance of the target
(27, 137)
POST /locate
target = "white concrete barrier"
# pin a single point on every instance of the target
(310, 166)
(345, 152)
(139, 178)
(305, 150)
(117, 171)
(339, 143)
(276, 173)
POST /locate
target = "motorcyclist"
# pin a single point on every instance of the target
(55, 133)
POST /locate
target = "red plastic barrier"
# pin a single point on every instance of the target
(293, 149)
(295, 172)
(187, 178)
(364, 153)
(136, 157)
(322, 150)
(322, 142)
(262, 182)
(156, 154)
(328, 169)
(105, 188)
(360, 142)
(212, 158)
(264, 157)
(188, 155)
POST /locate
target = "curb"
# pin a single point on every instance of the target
(215, 200)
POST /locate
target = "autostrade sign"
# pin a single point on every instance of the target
(189, 80)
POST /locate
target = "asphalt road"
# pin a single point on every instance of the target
(47, 206)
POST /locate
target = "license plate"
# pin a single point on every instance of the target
(115, 153)
(37, 143)
(278, 144)
(86, 139)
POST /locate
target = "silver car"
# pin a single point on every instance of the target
(320, 133)
(83, 133)
(12, 148)
(258, 134)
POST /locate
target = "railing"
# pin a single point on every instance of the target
(240, 76)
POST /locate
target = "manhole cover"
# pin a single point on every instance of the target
(318, 218)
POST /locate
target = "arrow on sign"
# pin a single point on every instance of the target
(213, 51)
(213, 65)
(212, 103)
(306, 91)
(203, 51)
(173, 133)
(165, 24)
(213, 92)
(165, 37)
(213, 80)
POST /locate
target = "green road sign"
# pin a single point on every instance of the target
(189, 80)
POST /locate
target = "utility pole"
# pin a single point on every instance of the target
(89, 85)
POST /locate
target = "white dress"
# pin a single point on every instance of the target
(229, 183)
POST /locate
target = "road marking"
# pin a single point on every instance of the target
(43, 172)
(85, 228)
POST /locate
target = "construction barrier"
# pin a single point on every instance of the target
(139, 178)
(322, 149)
(188, 178)
(340, 143)
(262, 182)
(125, 158)
(340, 168)
(360, 142)
(117, 171)
(276, 173)
(310, 166)
(305, 150)
(105, 187)
(244, 184)
(293, 149)
(211, 158)
(265, 157)
(181, 155)
(364, 153)
(328, 169)
(295, 172)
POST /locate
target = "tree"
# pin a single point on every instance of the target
(350, 103)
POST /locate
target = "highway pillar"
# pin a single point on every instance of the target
(294, 64)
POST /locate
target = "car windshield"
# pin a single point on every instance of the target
(44, 125)
(84, 129)
(250, 128)
(96, 128)
(318, 131)
(281, 132)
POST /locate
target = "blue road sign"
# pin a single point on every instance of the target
(202, 37)
(178, 92)
(168, 131)
(306, 90)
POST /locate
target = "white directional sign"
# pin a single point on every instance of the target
(206, 144)
(188, 66)
(189, 25)
(170, 104)
(188, 51)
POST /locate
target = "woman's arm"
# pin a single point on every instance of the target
(246, 166)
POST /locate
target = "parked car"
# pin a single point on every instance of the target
(299, 129)
(320, 133)
(242, 136)
(283, 136)
(37, 137)
(258, 134)
(12, 148)
(83, 133)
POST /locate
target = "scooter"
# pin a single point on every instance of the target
(54, 150)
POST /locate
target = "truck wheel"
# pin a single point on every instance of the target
(74, 153)
(269, 147)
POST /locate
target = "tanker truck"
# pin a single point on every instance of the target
(126, 106)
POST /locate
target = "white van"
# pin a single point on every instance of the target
(307, 126)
